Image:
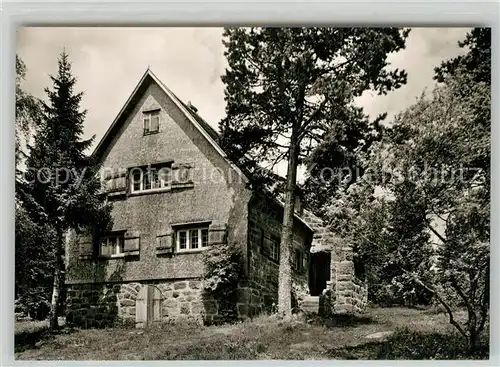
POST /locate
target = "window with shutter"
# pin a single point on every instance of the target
(151, 120)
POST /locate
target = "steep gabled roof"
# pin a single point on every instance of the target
(199, 123)
(203, 127)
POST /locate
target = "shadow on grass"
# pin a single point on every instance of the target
(33, 338)
(410, 345)
(341, 321)
(30, 339)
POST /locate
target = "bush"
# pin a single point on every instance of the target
(223, 273)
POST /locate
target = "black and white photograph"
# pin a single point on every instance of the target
(252, 193)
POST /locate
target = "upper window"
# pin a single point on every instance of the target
(151, 121)
(299, 261)
(112, 245)
(191, 239)
(272, 245)
(150, 178)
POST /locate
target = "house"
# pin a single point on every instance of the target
(174, 194)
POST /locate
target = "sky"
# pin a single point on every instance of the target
(108, 63)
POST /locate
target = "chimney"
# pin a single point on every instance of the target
(191, 107)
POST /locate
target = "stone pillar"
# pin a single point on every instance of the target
(342, 277)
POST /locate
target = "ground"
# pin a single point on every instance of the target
(382, 333)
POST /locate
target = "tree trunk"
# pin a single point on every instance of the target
(285, 276)
(56, 288)
(473, 339)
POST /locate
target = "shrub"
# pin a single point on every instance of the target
(223, 273)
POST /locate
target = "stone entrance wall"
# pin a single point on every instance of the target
(344, 293)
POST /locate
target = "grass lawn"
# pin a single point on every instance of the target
(418, 334)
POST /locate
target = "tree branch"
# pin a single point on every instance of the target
(462, 295)
(277, 160)
(435, 232)
(445, 305)
(303, 127)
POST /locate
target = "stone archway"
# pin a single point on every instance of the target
(148, 306)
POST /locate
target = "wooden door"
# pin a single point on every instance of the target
(148, 306)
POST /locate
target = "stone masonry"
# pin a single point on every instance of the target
(101, 305)
(262, 289)
(344, 293)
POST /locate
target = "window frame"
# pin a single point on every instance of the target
(147, 120)
(118, 247)
(274, 247)
(163, 178)
(201, 246)
(275, 250)
(300, 260)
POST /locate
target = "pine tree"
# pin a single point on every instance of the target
(61, 188)
(476, 62)
(285, 87)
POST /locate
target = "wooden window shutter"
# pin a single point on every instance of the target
(120, 181)
(164, 242)
(182, 174)
(108, 184)
(132, 242)
(155, 121)
(86, 245)
(217, 234)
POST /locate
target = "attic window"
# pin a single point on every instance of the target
(151, 121)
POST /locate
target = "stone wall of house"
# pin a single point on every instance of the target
(345, 292)
(261, 290)
(100, 305)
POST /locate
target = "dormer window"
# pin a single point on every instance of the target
(151, 121)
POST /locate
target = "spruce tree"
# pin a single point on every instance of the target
(61, 186)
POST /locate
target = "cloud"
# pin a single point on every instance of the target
(425, 49)
(109, 62)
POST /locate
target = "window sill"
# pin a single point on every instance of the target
(194, 251)
(173, 186)
(147, 192)
(113, 194)
(108, 257)
(184, 185)
(119, 256)
(164, 251)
